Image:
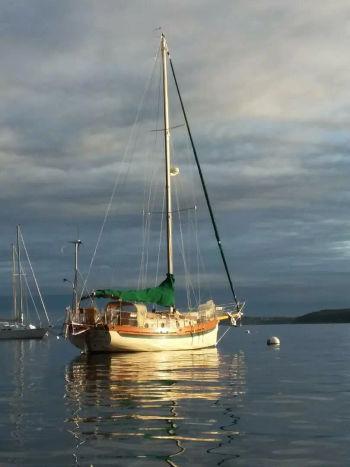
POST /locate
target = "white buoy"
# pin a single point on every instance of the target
(247, 331)
(273, 341)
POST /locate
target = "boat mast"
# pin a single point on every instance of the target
(20, 314)
(14, 288)
(165, 52)
(77, 244)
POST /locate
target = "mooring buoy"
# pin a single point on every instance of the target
(273, 341)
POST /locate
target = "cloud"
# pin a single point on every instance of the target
(266, 90)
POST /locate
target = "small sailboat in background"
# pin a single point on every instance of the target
(126, 324)
(20, 326)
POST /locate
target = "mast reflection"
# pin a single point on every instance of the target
(17, 399)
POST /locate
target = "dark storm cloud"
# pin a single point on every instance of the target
(266, 89)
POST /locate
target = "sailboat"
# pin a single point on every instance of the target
(19, 326)
(126, 324)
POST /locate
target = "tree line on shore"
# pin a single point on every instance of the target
(316, 317)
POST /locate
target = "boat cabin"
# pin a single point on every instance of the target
(123, 313)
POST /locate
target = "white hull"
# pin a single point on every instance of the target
(100, 340)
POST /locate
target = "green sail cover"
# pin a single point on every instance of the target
(161, 295)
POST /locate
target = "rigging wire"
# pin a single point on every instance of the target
(187, 185)
(118, 177)
(227, 330)
(147, 242)
(148, 235)
(160, 239)
(164, 194)
(82, 280)
(139, 282)
(191, 268)
(197, 254)
(182, 249)
(31, 296)
(34, 277)
(204, 186)
(147, 197)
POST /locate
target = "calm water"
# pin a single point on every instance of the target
(242, 404)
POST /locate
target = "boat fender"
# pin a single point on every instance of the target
(273, 341)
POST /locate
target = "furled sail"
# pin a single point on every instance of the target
(162, 295)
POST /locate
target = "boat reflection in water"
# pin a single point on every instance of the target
(156, 408)
(16, 401)
(21, 419)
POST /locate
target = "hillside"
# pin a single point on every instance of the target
(325, 316)
(322, 316)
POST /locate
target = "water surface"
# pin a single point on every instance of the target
(242, 404)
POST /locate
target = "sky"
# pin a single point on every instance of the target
(265, 85)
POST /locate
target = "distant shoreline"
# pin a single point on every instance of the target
(316, 317)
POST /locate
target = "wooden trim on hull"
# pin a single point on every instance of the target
(114, 338)
(186, 331)
(161, 336)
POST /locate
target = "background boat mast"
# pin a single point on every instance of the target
(14, 282)
(19, 272)
(164, 50)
